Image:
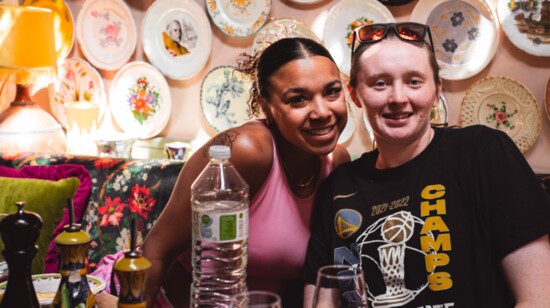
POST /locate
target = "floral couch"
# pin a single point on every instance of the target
(122, 189)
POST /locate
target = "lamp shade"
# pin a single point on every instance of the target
(27, 44)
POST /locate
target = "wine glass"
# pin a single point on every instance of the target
(340, 286)
(257, 299)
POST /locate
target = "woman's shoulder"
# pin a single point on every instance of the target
(340, 155)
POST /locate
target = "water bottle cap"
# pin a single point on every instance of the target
(219, 152)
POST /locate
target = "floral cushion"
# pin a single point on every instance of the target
(122, 189)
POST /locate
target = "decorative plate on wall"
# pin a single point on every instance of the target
(224, 96)
(140, 100)
(504, 104)
(177, 38)
(106, 32)
(7, 92)
(281, 28)
(63, 24)
(345, 16)
(465, 34)
(77, 81)
(526, 25)
(238, 18)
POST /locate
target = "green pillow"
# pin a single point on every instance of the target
(44, 197)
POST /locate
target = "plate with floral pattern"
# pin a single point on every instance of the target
(526, 25)
(465, 34)
(224, 96)
(46, 285)
(106, 32)
(177, 38)
(63, 24)
(140, 100)
(239, 18)
(280, 28)
(78, 81)
(504, 104)
(342, 19)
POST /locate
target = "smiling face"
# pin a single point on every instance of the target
(396, 87)
(306, 102)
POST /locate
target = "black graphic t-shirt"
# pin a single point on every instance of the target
(433, 231)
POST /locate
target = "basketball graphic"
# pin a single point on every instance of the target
(398, 228)
(347, 222)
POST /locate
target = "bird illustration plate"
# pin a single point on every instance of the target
(465, 34)
(177, 38)
(46, 285)
(140, 100)
(342, 19)
(223, 98)
(526, 24)
(239, 18)
(504, 104)
(106, 32)
(281, 28)
(63, 24)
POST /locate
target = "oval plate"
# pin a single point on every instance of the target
(140, 100)
(186, 54)
(106, 32)
(223, 98)
(345, 16)
(504, 104)
(465, 34)
(239, 18)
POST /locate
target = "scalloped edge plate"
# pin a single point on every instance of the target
(229, 109)
(458, 57)
(504, 104)
(106, 32)
(197, 38)
(277, 29)
(338, 27)
(537, 45)
(63, 24)
(46, 285)
(155, 100)
(239, 18)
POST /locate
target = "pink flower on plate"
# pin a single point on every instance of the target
(112, 31)
(69, 75)
(500, 116)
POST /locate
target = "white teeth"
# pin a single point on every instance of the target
(322, 131)
(398, 116)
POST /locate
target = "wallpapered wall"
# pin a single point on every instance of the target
(187, 122)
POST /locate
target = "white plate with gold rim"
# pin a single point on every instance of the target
(277, 29)
(46, 285)
(465, 34)
(239, 18)
(177, 38)
(345, 16)
(107, 33)
(63, 24)
(504, 104)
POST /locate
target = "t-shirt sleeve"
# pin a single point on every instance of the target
(516, 206)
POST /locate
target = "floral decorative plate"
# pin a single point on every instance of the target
(177, 38)
(504, 104)
(342, 19)
(526, 25)
(106, 32)
(223, 98)
(239, 18)
(465, 34)
(78, 81)
(281, 28)
(45, 286)
(63, 24)
(547, 99)
(140, 100)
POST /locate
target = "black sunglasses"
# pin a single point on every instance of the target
(406, 31)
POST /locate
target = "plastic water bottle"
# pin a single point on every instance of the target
(219, 198)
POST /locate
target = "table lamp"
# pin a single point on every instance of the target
(27, 54)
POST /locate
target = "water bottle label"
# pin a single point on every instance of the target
(221, 227)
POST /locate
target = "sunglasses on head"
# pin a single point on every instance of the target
(406, 31)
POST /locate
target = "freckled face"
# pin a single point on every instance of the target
(396, 87)
(307, 104)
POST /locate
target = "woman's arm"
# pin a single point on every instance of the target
(528, 273)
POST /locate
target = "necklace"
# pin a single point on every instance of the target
(299, 185)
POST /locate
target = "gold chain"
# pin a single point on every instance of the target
(299, 185)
